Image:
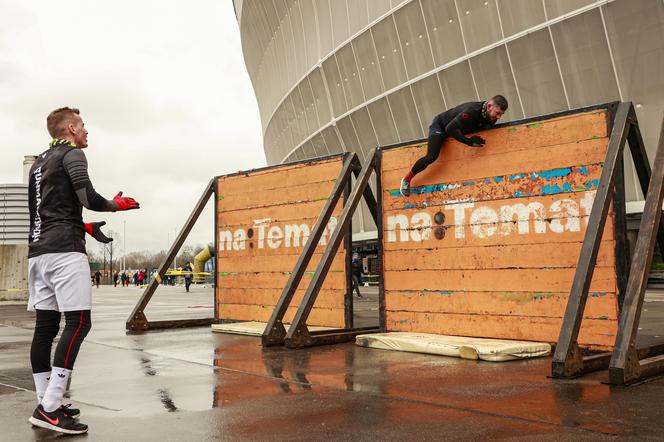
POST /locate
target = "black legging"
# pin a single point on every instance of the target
(355, 284)
(77, 326)
(434, 144)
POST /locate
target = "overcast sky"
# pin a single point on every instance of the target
(162, 88)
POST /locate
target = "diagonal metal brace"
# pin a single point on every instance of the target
(626, 366)
(275, 332)
(298, 335)
(566, 360)
(137, 319)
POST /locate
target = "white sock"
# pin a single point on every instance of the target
(56, 389)
(41, 382)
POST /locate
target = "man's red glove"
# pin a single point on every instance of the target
(94, 230)
(125, 202)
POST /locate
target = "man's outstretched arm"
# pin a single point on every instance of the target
(453, 129)
(76, 166)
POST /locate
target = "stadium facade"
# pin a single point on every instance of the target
(349, 75)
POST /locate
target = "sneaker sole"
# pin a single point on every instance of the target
(40, 423)
(404, 194)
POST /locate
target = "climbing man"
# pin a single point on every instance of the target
(58, 269)
(456, 122)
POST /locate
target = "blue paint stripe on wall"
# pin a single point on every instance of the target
(548, 189)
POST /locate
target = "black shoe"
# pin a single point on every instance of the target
(73, 413)
(56, 421)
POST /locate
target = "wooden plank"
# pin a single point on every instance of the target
(513, 139)
(281, 213)
(273, 263)
(253, 296)
(559, 182)
(511, 280)
(276, 280)
(279, 177)
(319, 316)
(511, 238)
(288, 241)
(563, 255)
(256, 224)
(538, 304)
(533, 217)
(258, 197)
(483, 164)
(597, 333)
(458, 211)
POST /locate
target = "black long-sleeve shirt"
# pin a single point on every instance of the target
(462, 119)
(59, 187)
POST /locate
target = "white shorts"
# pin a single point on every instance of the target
(59, 281)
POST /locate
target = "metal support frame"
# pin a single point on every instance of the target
(275, 332)
(568, 360)
(137, 320)
(298, 334)
(627, 363)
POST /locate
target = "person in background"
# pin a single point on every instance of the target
(187, 276)
(356, 274)
(97, 278)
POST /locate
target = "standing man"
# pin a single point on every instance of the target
(58, 268)
(456, 122)
(356, 274)
(187, 276)
(97, 277)
(115, 278)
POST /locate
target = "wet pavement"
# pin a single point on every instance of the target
(199, 385)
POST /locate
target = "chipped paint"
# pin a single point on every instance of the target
(535, 183)
(553, 173)
(534, 125)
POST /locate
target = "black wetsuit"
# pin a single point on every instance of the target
(456, 122)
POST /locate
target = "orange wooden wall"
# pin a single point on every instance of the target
(258, 216)
(501, 264)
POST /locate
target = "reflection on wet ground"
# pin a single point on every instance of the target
(202, 385)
